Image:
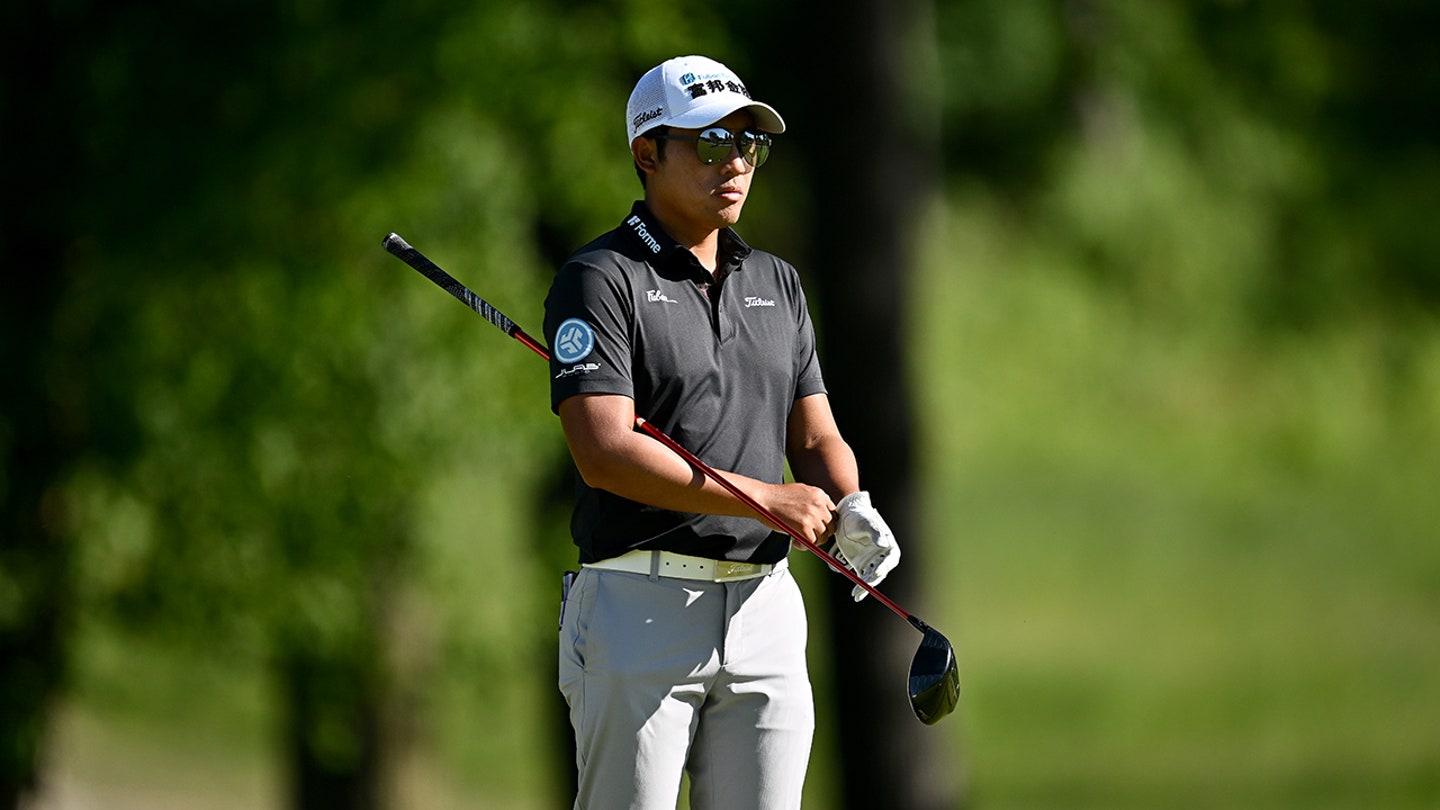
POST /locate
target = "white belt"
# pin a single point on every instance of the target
(683, 566)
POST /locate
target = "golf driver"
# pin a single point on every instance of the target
(934, 682)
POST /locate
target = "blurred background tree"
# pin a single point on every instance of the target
(864, 143)
(1162, 306)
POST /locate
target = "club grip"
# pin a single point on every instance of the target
(405, 253)
(396, 245)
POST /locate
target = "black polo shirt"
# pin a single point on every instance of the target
(717, 365)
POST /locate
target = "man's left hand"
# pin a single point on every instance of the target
(863, 541)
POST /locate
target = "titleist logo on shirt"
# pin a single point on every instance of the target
(638, 225)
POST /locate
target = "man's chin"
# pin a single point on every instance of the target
(730, 214)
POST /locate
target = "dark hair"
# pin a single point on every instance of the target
(653, 134)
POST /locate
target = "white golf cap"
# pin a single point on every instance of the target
(691, 92)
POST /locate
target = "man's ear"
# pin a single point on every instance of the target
(645, 153)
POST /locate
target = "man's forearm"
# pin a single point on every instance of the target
(641, 469)
(612, 456)
(828, 464)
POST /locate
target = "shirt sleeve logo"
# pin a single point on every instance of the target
(574, 341)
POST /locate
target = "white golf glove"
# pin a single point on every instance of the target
(863, 541)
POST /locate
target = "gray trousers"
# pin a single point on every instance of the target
(665, 676)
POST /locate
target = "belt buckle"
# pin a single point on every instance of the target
(726, 570)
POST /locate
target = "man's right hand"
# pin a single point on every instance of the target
(806, 509)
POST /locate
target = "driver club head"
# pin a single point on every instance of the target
(934, 678)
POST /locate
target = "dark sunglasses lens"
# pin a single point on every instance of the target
(714, 145)
(755, 146)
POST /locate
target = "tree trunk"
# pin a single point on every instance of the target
(333, 734)
(870, 139)
(352, 708)
(40, 432)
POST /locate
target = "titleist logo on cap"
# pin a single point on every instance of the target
(648, 115)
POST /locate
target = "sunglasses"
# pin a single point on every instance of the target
(713, 145)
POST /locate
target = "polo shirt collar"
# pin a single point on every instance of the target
(733, 249)
(642, 228)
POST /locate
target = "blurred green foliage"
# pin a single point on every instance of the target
(1175, 341)
(1181, 371)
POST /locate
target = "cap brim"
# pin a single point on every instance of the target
(766, 119)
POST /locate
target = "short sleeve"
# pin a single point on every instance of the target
(808, 379)
(589, 318)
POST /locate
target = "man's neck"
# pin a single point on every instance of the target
(700, 240)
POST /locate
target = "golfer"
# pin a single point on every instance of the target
(682, 641)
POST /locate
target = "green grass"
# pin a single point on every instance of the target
(1116, 659)
(150, 727)
(1186, 571)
